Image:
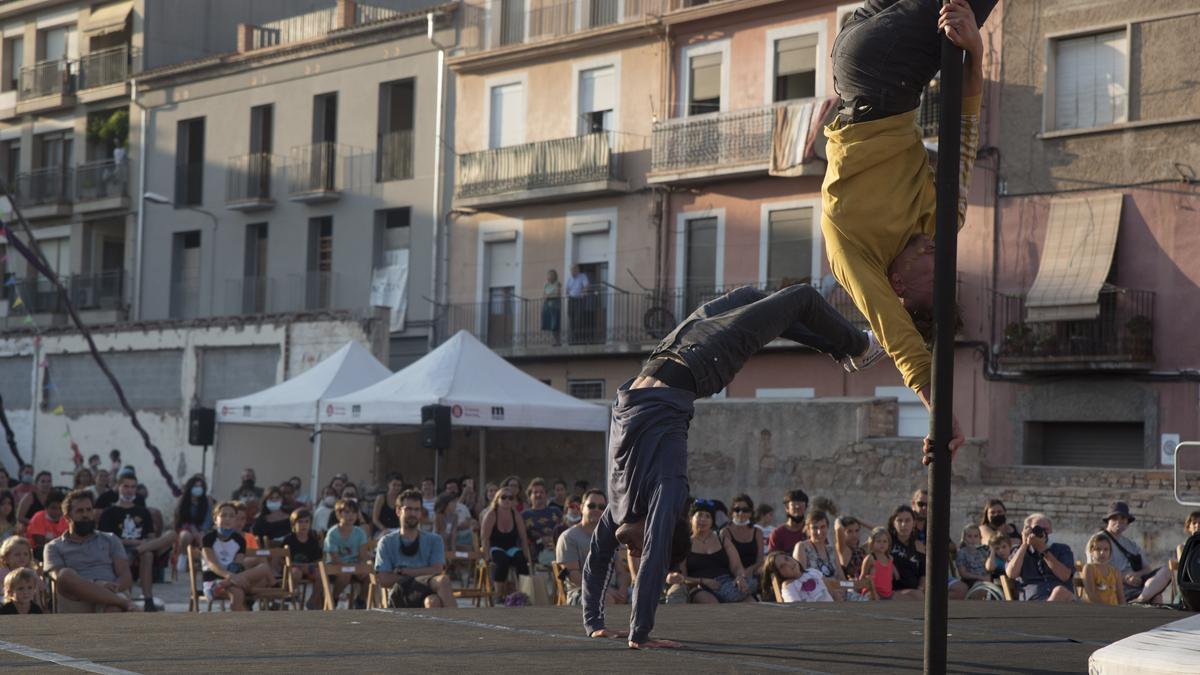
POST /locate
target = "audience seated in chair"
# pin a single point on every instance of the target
(224, 557)
(572, 550)
(908, 555)
(47, 524)
(20, 592)
(89, 568)
(412, 563)
(1102, 584)
(503, 539)
(306, 552)
(815, 553)
(134, 526)
(346, 547)
(17, 553)
(1143, 581)
(1044, 570)
(542, 520)
(880, 568)
(785, 537)
(712, 571)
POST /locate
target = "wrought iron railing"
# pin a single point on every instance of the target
(40, 187)
(249, 295)
(394, 155)
(102, 180)
(105, 67)
(543, 164)
(1123, 331)
(714, 139)
(596, 318)
(510, 22)
(47, 79)
(316, 168)
(105, 290)
(185, 298)
(248, 177)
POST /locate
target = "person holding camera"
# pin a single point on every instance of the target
(1044, 569)
(1143, 582)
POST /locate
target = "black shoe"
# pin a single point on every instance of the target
(360, 604)
(150, 606)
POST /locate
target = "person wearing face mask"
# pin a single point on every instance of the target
(572, 550)
(193, 515)
(745, 537)
(35, 499)
(47, 524)
(993, 520)
(273, 521)
(89, 567)
(134, 526)
(324, 511)
(785, 537)
(248, 489)
(25, 483)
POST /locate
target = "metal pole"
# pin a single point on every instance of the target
(937, 537)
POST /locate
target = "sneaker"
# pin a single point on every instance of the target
(868, 358)
(150, 606)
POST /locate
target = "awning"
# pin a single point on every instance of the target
(108, 18)
(1080, 239)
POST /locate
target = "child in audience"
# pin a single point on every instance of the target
(1000, 546)
(971, 557)
(1191, 526)
(878, 567)
(20, 587)
(346, 548)
(764, 519)
(306, 553)
(1102, 584)
(47, 524)
(224, 561)
(795, 583)
(17, 553)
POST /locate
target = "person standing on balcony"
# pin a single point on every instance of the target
(552, 306)
(648, 432)
(577, 287)
(879, 197)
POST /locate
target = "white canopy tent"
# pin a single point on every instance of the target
(481, 389)
(297, 401)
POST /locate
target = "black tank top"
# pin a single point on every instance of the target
(505, 540)
(35, 505)
(708, 565)
(388, 517)
(747, 550)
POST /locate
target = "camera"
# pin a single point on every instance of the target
(1038, 531)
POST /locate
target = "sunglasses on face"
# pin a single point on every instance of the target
(507, 498)
(593, 506)
(922, 504)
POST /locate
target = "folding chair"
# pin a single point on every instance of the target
(1012, 590)
(1173, 566)
(47, 597)
(197, 591)
(560, 589)
(325, 569)
(299, 591)
(1077, 579)
(281, 591)
(482, 590)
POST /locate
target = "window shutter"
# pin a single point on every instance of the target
(706, 77)
(796, 54)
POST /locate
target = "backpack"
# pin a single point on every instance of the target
(1187, 578)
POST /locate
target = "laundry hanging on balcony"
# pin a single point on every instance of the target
(1081, 235)
(796, 133)
(389, 287)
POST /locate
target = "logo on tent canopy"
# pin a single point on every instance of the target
(497, 412)
(456, 411)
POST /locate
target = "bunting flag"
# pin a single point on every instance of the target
(28, 321)
(18, 302)
(58, 410)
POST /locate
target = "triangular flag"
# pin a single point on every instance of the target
(58, 410)
(18, 302)
(28, 320)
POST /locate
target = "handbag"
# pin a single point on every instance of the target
(1135, 561)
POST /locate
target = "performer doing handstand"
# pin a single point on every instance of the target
(878, 199)
(648, 434)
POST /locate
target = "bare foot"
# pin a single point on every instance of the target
(656, 644)
(611, 634)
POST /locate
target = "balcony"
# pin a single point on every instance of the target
(185, 298)
(1121, 338)
(313, 291)
(316, 173)
(609, 321)
(99, 297)
(248, 182)
(46, 86)
(545, 171)
(104, 68)
(45, 193)
(102, 186)
(509, 23)
(394, 156)
(724, 144)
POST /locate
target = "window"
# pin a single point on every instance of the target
(1105, 444)
(57, 43)
(10, 161)
(704, 84)
(319, 286)
(394, 148)
(586, 389)
(512, 22)
(603, 12)
(596, 100)
(912, 415)
(261, 132)
(14, 59)
(796, 67)
(501, 276)
(700, 263)
(189, 162)
(790, 245)
(591, 241)
(258, 168)
(393, 232)
(1091, 85)
(185, 275)
(507, 124)
(255, 282)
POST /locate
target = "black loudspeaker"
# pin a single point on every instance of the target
(1188, 576)
(201, 423)
(435, 426)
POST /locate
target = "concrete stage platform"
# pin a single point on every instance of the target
(985, 637)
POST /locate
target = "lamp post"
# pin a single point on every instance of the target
(156, 198)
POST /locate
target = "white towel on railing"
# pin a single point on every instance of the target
(797, 127)
(389, 287)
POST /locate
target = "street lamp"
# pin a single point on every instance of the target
(156, 198)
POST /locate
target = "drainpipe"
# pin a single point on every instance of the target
(441, 235)
(141, 206)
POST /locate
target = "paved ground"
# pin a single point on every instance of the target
(985, 637)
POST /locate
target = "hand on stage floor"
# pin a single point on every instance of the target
(956, 442)
(610, 634)
(656, 644)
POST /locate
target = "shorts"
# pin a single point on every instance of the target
(727, 591)
(410, 592)
(1040, 591)
(66, 605)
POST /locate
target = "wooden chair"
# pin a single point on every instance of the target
(325, 570)
(1012, 590)
(281, 592)
(481, 590)
(197, 594)
(560, 589)
(377, 595)
(299, 591)
(47, 598)
(1077, 580)
(1173, 566)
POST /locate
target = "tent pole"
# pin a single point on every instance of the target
(480, 487)
(316, 463)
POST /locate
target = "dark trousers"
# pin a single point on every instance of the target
(886, 54)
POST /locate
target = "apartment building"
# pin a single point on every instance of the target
(301, 172)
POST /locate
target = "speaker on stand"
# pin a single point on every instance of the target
(202, 423)
(435, 433)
